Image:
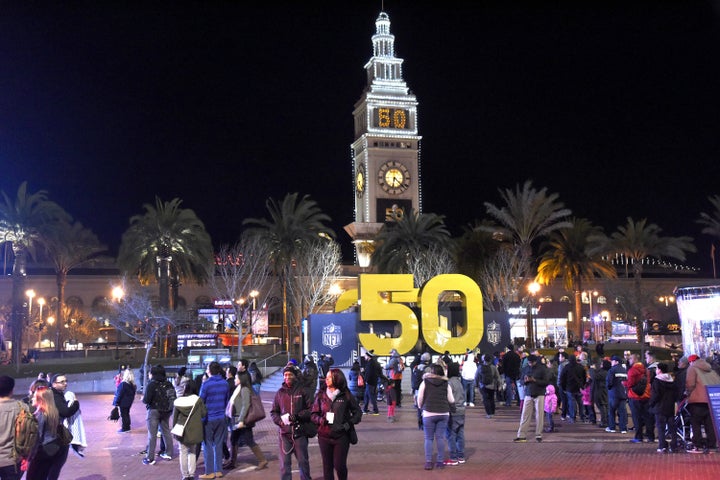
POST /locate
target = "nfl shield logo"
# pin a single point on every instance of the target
(332, 336)
(493, 333)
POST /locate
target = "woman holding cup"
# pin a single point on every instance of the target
(335, 412)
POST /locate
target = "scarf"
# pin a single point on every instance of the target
(231, 403)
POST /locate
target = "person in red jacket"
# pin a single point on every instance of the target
(640, 402)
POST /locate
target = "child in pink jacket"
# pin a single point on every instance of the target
(550, 408)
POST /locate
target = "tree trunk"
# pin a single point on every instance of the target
(61, 282)
(578, 314)
(18, 314)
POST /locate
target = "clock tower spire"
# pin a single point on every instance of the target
(386, 149)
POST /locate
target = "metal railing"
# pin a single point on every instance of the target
(263, 364)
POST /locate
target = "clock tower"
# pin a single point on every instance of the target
(386, 150)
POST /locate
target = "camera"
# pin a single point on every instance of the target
(297, 430)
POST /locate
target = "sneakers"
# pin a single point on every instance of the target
(428, 466)
(144, 452)
(123, 431)
(147, 461)
(695, 450)
(461, 460)
(623, 431)
(520, 440)
(662, 450)
(538, 439)
(440, 465)
(610, 430)
(450, 463)
(471, 404)
(165, 456)
(635, 440)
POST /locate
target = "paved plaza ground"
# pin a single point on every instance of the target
(395, 451)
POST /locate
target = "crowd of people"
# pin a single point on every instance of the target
(203, 413)
(59, 428)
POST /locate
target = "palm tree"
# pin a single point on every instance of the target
(169, 245)
(712, 225)
(69, 246)
(637, 241)
(294, 224)
(22, 221)
(412, 243)
(528, 215)
(575, 255)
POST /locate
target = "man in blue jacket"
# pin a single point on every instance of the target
(215, 394)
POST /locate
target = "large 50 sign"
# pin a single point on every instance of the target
(384, 298)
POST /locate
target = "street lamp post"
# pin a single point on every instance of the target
(117, 295)
(533, 289)
(30, 294)
(243, 310)
(51, 321)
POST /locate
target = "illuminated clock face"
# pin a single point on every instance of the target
(360, 181)
(391, 118)
(394, 177)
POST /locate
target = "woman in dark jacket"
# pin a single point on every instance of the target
(124, 397)
(663, 396)
(335, 411)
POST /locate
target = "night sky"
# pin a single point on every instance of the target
(613, 105)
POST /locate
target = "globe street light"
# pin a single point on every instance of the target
(117, 295)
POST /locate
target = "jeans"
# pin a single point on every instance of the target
(456, 436)
(488, 396)
(334, 452)
(617, 407)
(435, 427)
(532, 406)
(666, 424)
(154, 419)
(188, 460)
(125, 417)
(469, 387)
(642, 417)
(215, 432)
(700, 416)
(572, 405)
(510, 390)
(370, 396)
(298, 447)
(11, 472)
(562, 402)
(603, 409)
(549, 421)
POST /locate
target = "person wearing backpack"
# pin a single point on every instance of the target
(487, 379)
(158, 399)
(9, 410)
(638, 392)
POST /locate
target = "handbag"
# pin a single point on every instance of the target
(64, 436)
(114, 415)
(256, 412)
(179, 428)
(353, 435)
